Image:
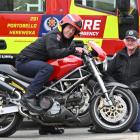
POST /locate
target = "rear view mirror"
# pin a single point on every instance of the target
(79, 43)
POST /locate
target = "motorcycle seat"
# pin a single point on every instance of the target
(11, 70)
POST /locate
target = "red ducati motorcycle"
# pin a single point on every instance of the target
(78, 92)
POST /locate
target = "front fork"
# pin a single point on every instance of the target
(100, 80)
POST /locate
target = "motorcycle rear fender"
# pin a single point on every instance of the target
(10, 109)
(115, 84)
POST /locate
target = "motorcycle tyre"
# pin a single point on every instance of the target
(125, 127)
(13, 127)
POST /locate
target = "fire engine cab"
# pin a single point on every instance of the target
(104, 21)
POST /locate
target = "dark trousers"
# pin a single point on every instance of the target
(136, 126)
(39, 70)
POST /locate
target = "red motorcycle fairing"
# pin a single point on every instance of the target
(64, 66)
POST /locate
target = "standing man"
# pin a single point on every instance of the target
(125, 68)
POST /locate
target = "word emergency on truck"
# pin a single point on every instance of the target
(104, 21)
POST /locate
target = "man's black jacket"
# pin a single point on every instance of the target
(126, 69)
(52, 45)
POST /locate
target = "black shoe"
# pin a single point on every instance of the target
(45, 130)
(29, 101)
(94, 129)
(134, 130)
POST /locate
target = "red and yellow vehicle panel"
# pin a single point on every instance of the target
(20, 29)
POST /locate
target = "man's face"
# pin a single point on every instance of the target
(69, 31)
(131, 44)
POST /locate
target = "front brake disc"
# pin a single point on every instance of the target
(114, 113)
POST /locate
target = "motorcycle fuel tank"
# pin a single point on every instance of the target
(64, 66)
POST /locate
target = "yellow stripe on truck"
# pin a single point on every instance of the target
(86, 40)
(16, 44)
(111, 27)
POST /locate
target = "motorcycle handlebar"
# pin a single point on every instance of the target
(97, 50)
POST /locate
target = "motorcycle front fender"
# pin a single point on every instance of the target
(116, 84)
(110, 84)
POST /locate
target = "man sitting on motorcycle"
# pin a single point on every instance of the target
(31, 61)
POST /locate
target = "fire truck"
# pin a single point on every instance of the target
(104, 21)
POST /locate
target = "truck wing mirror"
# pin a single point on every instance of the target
(123, 5)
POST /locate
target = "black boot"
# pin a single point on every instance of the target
(94, 129)
(44, 130)
(29, 101)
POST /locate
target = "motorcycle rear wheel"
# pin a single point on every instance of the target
(117, 118)
(9, 124)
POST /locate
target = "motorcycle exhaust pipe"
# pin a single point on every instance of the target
(6, 87)
(10, 89)
(10, 109)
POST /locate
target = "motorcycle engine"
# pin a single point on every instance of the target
(50, 105)
(46, 102)
(74, 102)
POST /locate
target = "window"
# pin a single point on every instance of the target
(105, 5)
(6, 5)
(133, 4)
(22, 5)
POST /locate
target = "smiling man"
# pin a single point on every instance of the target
(31, 62)
(125, 68)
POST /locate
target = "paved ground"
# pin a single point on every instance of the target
(29, 130)
(73, 134)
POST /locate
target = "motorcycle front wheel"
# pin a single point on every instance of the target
(118, 117)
